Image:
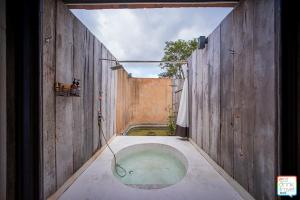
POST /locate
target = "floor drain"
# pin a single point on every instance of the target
(130, 172)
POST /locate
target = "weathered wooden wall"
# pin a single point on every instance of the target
(70, 124)
(2, 100)
(232, 84)
(142, 101)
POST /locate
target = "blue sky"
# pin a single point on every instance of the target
(140, 34)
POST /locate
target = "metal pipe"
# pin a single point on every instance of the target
(152, 61)
(145, 61)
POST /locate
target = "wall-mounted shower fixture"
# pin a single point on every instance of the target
(116, 67)
(63, 89)
(146, 61)
(202, 41)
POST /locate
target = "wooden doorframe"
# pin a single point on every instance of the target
(133, 4)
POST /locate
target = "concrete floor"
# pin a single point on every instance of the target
(202, 181)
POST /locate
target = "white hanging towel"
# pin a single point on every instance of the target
(183, 111)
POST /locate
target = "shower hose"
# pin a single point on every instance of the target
(116, 166)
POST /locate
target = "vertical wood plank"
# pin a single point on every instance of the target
(198, 94)
(197, 99)
(64, 113)
(214, 91)
(49, 116)
(190, 97)
(79, 62)
(114, 96)
(205, 91)
(193, 97)
(200, 65)
(244, 93)
(265, 95)
(88, 95)
(104, 92)
(109, 95)
(97, 90)
(226, 95)
(239, 97)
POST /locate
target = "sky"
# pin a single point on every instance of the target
(140, 34)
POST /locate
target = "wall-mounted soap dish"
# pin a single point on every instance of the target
(67, 90)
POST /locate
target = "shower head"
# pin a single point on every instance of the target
(118, 66)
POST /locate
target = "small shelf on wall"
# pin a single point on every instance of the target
(67, 90)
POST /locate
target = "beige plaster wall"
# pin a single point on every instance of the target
(142, 100)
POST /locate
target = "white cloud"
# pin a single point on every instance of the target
(140, 34)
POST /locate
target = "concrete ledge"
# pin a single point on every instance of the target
(244, 193)
(144, 125)
(73, 178)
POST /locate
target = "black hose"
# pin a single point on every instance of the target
(115, 159)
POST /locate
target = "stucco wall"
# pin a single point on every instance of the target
(142, 100)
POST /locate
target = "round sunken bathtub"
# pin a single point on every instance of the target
(150, 166)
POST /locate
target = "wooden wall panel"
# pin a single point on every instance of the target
(199, 98)
(97, 93)
(190, 93)
(238, 97)
(113, 100)
(193, 86)
(48, 98)
(214, 92)
(70, 124)
(265, 97)
(109, 95)
(79, 62)
(88, 95)
(205, 108)
(64, 112)
(121, 105)
(226, 94)
(104, 92)
(244, 106)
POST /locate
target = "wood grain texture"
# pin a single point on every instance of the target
(265, 94)
(70, 124)
(244, 107)
(214, 93)
(226, 94)
(64, 109)
(88, 95)
(199, 98)
(238, 124)
(205, 108)
(104, 92)
(109, 95)
(193, 86)
(48, 98)
(79, 63)
(190, 97)
(97, 91)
